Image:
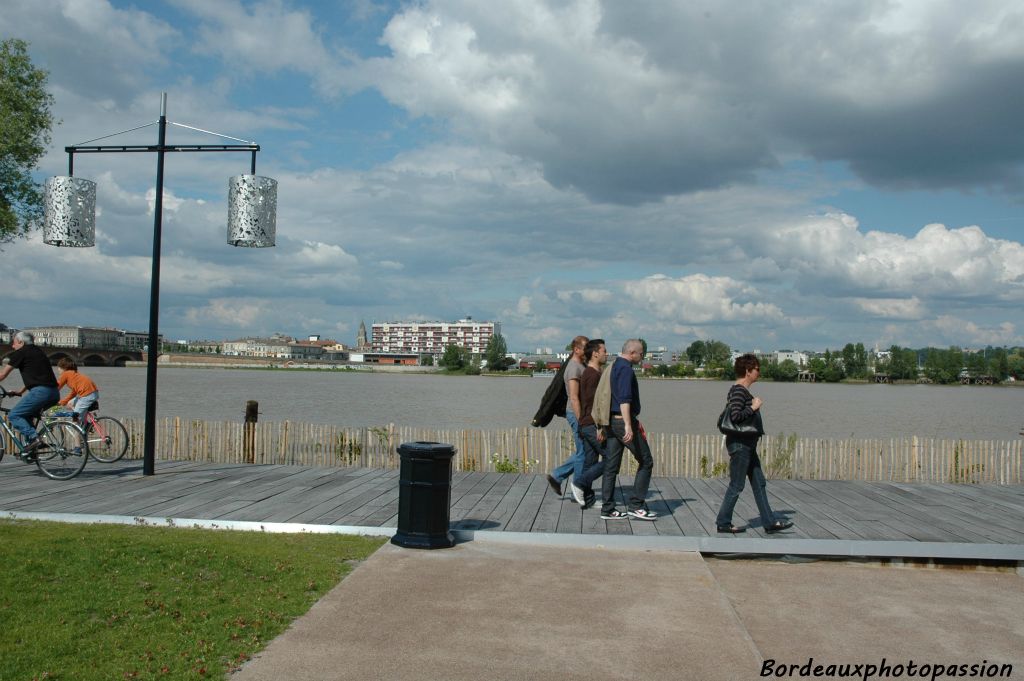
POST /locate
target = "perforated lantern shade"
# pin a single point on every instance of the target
(69, 213)
(252, 211)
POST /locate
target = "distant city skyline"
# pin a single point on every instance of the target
(788, 175)
(614, 344)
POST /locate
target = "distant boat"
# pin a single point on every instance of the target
(547, 373)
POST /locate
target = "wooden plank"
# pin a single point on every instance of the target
(525, 514)
(934, 512)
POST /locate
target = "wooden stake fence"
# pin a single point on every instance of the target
(536, 450)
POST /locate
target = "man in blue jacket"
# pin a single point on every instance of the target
(627, 433)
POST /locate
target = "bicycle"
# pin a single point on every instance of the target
(63, 452)
(106, 437)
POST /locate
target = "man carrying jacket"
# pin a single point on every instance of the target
(573, 411)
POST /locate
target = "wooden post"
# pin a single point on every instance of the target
(252, 416)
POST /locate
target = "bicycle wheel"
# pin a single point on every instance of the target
(64, 453)
(107, 438)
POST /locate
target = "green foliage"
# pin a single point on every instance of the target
(347, 450)
(427, 360)
(828, 368)
(495, 353)
(779, 462)
(454, 357)
(967, 474)
(786, 370)
(503, 464)
(712, 355)
(855, 361)
(719, 469)
(99, 602)
(901, 365)
(25, 124)
(943, 366)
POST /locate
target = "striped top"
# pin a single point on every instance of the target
(740, 410)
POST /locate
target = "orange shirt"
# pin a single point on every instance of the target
(80, 384)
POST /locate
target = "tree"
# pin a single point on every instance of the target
(787, 370)
(855, 360)
(697, 351)
(998, 364)
(495, 353)
(1015, 364)
(25, 123)
(716, 358)
(427, 360)
(453, 358)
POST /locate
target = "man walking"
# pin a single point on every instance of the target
(39, 382)
(626, 432)
(573, 371)
(593, 437)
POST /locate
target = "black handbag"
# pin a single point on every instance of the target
(751, 426)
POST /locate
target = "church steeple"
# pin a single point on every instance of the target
(361, 338)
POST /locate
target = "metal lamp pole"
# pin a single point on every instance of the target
(161, 148)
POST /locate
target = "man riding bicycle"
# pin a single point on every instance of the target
(40, 386)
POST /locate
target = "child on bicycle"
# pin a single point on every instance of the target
(84, 392)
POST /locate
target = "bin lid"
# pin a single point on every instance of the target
(426, 449)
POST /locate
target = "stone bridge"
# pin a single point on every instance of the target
(84, 357)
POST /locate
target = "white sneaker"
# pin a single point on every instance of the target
(643, 514)
(577, 493)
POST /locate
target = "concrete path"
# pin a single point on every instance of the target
(508, 611)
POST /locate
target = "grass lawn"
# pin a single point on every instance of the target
(106, 602)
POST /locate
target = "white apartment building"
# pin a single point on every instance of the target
(89, 337)
(274, 348)
(432, 337)
(798, 358)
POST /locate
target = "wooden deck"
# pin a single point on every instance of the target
(971, 522)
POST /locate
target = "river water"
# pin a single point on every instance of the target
(480, 402)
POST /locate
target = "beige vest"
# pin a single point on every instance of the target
(602, 408)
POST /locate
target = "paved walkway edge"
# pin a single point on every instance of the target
(774, 546)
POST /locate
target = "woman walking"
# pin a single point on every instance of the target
(743, 459)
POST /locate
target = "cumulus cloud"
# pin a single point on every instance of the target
(936, 263)
(243, 314)
(538, 162)
(705, 97)
(892, 308)
(701, 299)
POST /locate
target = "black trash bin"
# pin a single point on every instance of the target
(424, 496)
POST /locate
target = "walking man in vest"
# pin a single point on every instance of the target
(627, 433)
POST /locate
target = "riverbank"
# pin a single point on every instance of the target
(193, 361)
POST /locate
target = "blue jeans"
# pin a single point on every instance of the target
(744, 463)
(593, 455)
(80, 405)
(574, 464)
(641, 451)
(30, 406)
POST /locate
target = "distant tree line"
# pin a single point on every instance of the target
(938, 365)
(907, 364)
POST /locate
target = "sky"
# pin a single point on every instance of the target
(795, 175)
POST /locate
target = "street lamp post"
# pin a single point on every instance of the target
(70, 218)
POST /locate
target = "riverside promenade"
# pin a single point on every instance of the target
(537, 589)
(957, 522)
